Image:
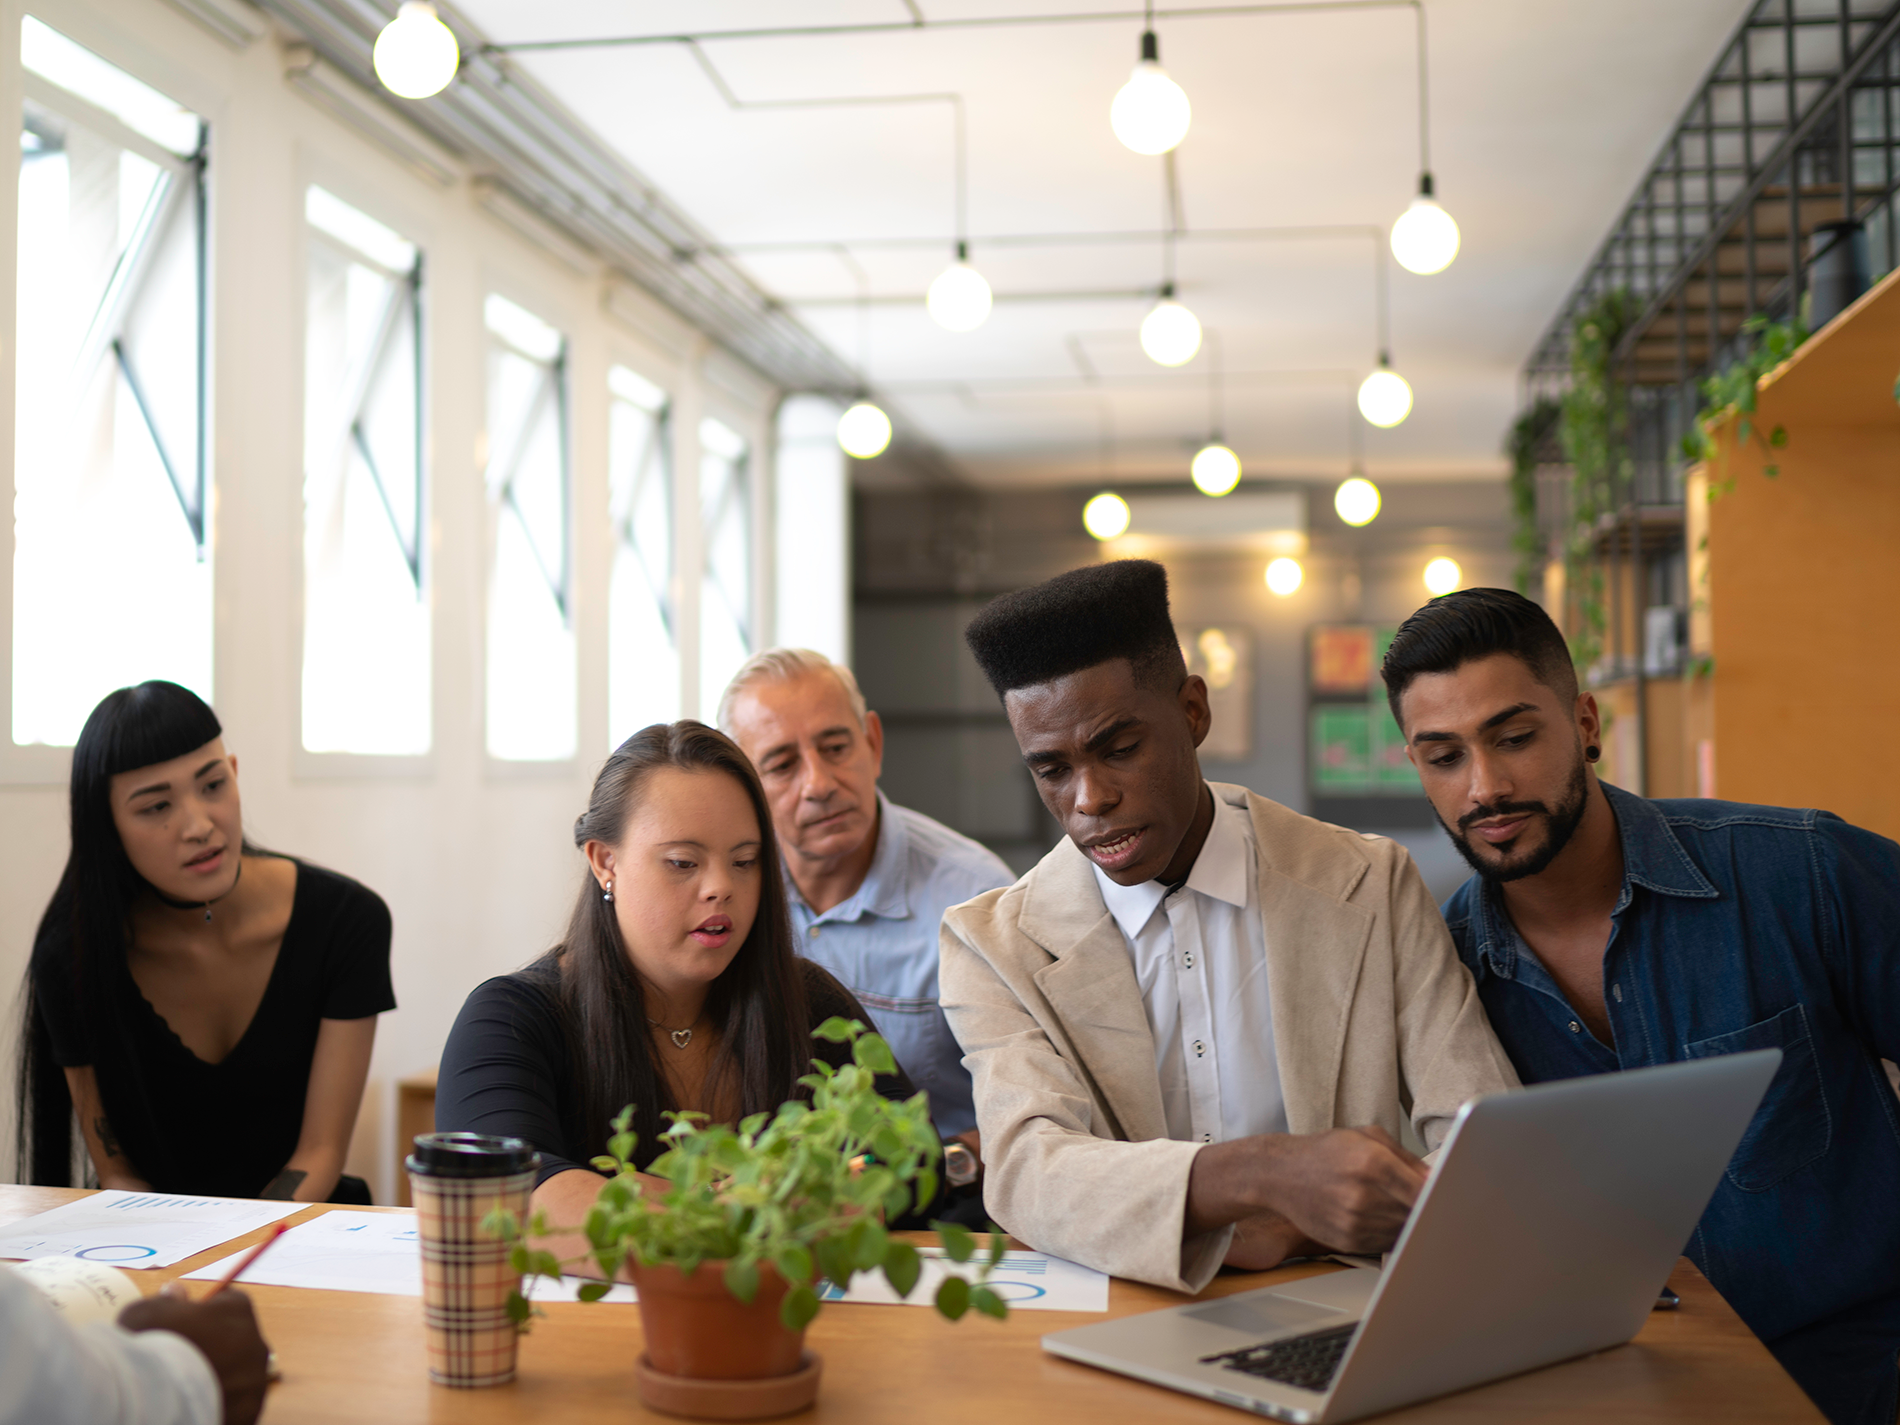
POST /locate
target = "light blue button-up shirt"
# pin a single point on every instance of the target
(882, 944)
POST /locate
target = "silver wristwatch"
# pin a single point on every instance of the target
(960, 1165)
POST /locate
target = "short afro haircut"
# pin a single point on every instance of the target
(1078, 620)
(1455, 629)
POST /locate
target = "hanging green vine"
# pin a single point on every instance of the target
(1594, 430)
(1735, 385)
(1522, 446)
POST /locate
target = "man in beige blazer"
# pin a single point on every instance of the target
(1199, 1026)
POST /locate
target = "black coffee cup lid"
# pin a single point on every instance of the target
(471, 1155)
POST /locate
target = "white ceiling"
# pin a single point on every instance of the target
(1544, 114)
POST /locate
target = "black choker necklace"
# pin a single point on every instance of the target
(177, 904)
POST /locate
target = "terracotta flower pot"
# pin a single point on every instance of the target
(713, 1357)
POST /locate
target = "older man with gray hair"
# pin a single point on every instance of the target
(870, 880)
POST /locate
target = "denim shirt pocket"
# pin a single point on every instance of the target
(1793, 1126)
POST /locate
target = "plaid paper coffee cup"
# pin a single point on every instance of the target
(456, 1180)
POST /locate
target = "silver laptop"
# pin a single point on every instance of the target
(1547, 1227)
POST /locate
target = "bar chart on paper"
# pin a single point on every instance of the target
(138, 1229)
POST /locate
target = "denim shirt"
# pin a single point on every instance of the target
(1745, 927)
(882, 943)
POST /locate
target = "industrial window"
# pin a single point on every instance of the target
(531, 674)
(366, 633)
(725, 596)
(643, 679)
(111, 580)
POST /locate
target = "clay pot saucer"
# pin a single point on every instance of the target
(701, 1399)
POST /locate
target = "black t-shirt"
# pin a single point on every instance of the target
(506, 1068)
(228, 1128)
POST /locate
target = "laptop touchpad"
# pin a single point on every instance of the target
(1259, 1314)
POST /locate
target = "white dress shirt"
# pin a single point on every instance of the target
(1200, 957)
(52, 1373)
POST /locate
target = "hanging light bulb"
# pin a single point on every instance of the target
(1106, 516)
(1384, 398)
(1215, 470)
(1151, 112)
(1425, 239)
(1284, 576)
(416, 54)
(1443, 575)
(864, 431)
(959, 299)
(1170, 333)
(1357, 501)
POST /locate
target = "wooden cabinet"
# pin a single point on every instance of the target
(415, 1113)
(1803, 577)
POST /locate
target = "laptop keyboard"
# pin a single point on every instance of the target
(1309, 1362)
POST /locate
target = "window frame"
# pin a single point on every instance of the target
(753, 426)
(42, 764)
(306, 765)
(555, 315)
(664, 449)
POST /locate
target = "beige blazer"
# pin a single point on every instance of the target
(1374, 1018)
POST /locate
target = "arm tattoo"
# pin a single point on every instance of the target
(284, 1186)
(106, 1138)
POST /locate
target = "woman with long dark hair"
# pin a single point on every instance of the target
(206, 1009)
(676, 986)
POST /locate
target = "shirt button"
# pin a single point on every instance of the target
(1575, 1028)
(1189, 959)
(1199, 1048)
(1207, 1137)
(814, 932)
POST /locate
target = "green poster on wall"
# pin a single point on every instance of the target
(1391, 770)
(1342, 736)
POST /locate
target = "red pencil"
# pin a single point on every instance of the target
(251, 1256)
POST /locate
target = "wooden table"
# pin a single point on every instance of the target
(354, 1358)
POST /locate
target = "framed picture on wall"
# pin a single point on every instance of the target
(1223, 657)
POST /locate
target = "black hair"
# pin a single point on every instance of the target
(82, 935)
(1077, 620)
(758, 1003)
(1454, 629)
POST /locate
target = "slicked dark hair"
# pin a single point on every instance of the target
(1455, 629)
(1078, 620)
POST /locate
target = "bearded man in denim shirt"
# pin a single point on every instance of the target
(1607, 932)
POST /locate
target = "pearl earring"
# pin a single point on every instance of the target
(607, 893)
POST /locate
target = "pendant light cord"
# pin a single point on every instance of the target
(1216, 406)
(1381, 296)
(1424, 92)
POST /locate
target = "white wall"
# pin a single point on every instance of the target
(475, 858)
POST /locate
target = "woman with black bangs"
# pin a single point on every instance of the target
(676, 986)
(207, 1009)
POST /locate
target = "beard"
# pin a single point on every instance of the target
(1560, 825)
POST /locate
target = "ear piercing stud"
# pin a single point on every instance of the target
(607, 892)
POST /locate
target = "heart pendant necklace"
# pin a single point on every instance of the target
(680, 1037)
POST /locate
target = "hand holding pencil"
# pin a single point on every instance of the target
(224, 1327)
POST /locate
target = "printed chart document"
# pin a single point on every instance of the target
(138, 1229)
(364, 1251)
(339, 1251)
(1028, 1281)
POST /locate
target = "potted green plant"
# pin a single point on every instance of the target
(729, 1259)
